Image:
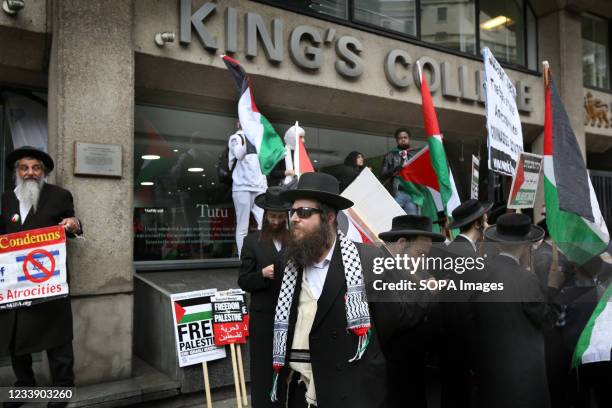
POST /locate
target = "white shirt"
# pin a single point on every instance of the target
(23, 208)
(277, 244)
(315, 274)
(471, 242)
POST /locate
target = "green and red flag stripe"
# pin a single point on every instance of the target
(426, 178)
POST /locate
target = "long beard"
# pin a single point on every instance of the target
(277, 232)
(29, 191)
(309, 248)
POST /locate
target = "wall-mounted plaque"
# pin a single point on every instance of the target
(95, 159)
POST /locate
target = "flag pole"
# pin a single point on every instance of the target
(420, 72)
(554, 265)
(363, 224)
(296, 160)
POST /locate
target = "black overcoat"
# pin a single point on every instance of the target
(48, 324)
(510, 342)
(340, 384)
(256, 255)
(457, 331)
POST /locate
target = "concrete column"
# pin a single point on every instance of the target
(91, 99)
(560, 41)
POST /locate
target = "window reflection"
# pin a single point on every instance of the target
(502, 29)
(394, 15)
(334, 8)
(595, 60)
(449, 24)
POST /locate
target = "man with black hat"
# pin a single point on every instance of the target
(34, 203)
(260, 251)
(411, 235)
(510, 322)
(327, 336)
(457, 314)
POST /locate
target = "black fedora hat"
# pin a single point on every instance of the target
(321, 187)
(514, 228)
(469, 211)
(29, 151)
(410, 225)
(271, 200)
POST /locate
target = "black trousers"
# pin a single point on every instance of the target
(61, 362)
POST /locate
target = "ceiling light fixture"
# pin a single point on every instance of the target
(150, 156)
(496, 22)
(146, 183)
(195, 169)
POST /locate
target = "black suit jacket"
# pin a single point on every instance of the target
(256, 255)
(340, 384)
(510, 340)
(44, 325)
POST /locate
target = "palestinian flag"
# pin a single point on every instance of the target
(156, 146)
(427, 177)
(595, 342)
(302, 161)
(193, 310)
(573, 217)
(259, 131)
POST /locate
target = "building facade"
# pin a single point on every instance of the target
(92, 71)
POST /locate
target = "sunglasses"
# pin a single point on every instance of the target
(304, 212)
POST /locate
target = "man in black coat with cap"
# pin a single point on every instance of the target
(457, 314)
(328, 336)
(260, 251)
(34, 203)
(510, 322)
(411, 236)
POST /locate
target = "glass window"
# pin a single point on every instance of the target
(502, 29)
(333, 8)
(181, 210)
(595, 59)
(532, 41)
(449, 24)
(394, 15)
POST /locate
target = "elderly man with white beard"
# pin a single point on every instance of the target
(34, 203)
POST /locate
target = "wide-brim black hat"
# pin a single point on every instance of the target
(271, 200)
(514, 228)
(468, 212)
(409, 226)
(320, 187)
(29, 151)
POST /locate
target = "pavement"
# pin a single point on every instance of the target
(146, 388)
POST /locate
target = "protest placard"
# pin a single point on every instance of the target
(475, 177)
(505, 136)
(240, 294)
(193, 327)
(228, 319)
(32, 267)
(371, 217)
(525, 181)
